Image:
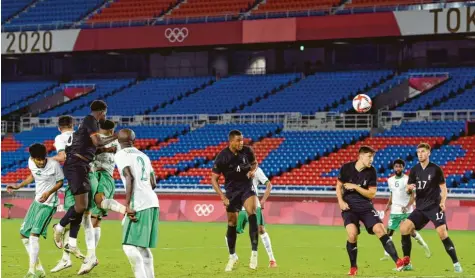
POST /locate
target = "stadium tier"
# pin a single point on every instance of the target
(16, 95)
(125, 10)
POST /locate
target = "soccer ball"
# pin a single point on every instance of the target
(362, 103)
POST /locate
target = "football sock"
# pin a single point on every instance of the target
(253, 231)
(450, 248)
(136, 260)
(406, 245)
(267, 244)
(419, 239)
(352, 249)
(66, 256)
(148, 261)
(89, 234)
(389, 247)
(231, 236)
(97, 235)
(34, 251)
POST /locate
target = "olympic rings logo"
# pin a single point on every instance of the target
(203, 209)
(176, 34)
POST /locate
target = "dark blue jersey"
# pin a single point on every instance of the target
(81, 140)
(427, 183)
(365, 178)
(235, 167)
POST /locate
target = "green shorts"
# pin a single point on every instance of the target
(106, 185)
(243, 219)
(37, 219)
(144, 232)
(69, 197)
(396, 219)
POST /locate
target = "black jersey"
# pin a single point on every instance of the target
(365, 179)
(427, 183)
(235, 167)
(81, 140)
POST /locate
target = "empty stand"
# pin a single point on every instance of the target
(466, 100)
(199, 8)
(294, 5)
(125, 10)
(11, 7)
(16, 95)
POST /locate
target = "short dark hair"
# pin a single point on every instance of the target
(366, 149)
(234, 133)
(98, 105)
(65, 121)
(38, 151)
(399, 161)
(107, 125)
(424, 145)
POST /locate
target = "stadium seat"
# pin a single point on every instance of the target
(131, 10)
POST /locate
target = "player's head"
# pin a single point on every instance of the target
(423, 152)
(366, 155)
(398, 166)
(38, 154)
(236, 141)
(126, 138)
(106, 127)
(99, 109)
(65, 122)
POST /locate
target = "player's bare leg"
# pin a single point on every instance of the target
(267, 244)
(407, 228)
(449, 247)
(352, 247)
(73, 217)
(231, 237)
(90, 261)
(251, 207)
(109, 204)
(388, 245)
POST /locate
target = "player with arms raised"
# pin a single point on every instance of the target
(427, 179)
(238, 164)
(355, 188)
(259, 178)
(140, 230)
(401, 204)
(48, 178)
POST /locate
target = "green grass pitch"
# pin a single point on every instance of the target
(198, 250)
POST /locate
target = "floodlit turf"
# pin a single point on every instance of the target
(198, 250)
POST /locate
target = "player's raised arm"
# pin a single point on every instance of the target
(100, 150)
(99, 141)
(24, 183)
(60, 156)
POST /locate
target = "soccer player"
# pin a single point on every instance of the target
(427, 179)
(401, 204)
(79, 154)
(259, 178)
(355, 188)
(103, 166)
(48, 177)
(140, 229)
(61, 141)
(238, 165)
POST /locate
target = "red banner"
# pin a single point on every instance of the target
(71, 93)
(310, 211)
(418, 85)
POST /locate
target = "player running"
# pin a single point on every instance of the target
(401, 204)
(259, 178)
(140, 229)
(428, 180)
(355, 187)
(103, 168)
(61, 141)
(238, 165)
(48, 178)
(79, 154)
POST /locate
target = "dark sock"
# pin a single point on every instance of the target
(406, 245)
(450, 248)
(253, 231)
(390, 232)
(352, 250)
(388, 245)
(68, 217)
(75, 225)
(231, 236)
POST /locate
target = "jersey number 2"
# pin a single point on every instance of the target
(142, 163)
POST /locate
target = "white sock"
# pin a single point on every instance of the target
(66, 256)
(26, 243)
(89, 234)
(419, 239)
(34, 252)
(148, 261)
(97, 235)
(59, 228)
(267, 244)
(113, 205)
(136, 261)
(73, 242)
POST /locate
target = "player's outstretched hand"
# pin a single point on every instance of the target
(44, 197)
(343, 206)
(442, 206)
(349, 186)
(11, 188)
(251, 174)
(225, 201)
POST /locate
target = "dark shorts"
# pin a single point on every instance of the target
(420, 218)
(369, 219)
(237, 199)
(76, 171)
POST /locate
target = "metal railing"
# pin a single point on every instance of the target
(387, 119)
(167, 20)
(329, 120)
(9, 127)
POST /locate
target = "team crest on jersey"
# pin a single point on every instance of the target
(238, 169)
(428, 177)
(38, 173)
(364, 183)
(244, 160)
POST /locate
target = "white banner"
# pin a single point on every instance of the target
(39, 41)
